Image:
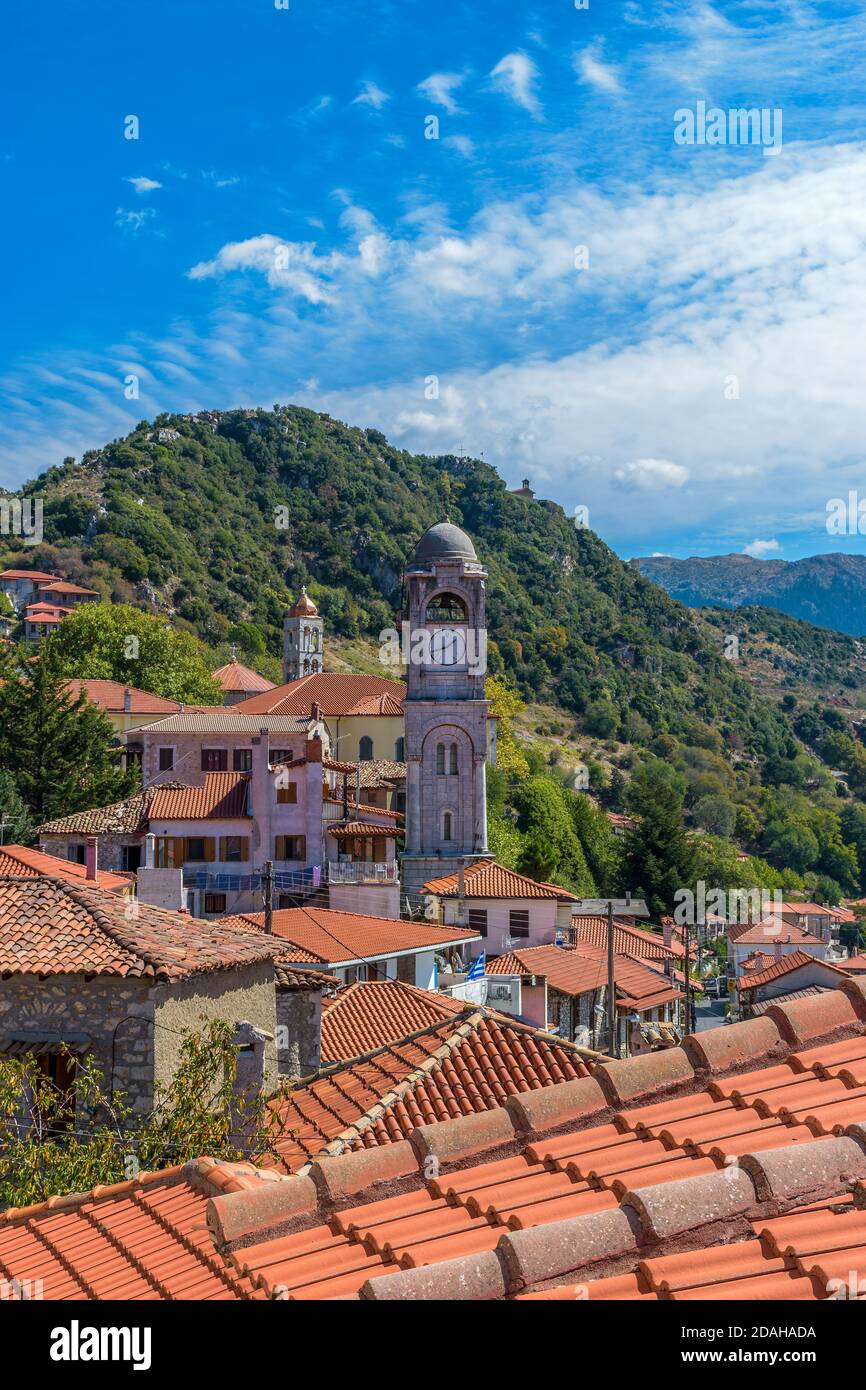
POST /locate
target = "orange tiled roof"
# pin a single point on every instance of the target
(855, 965)
(627, 940)
(335, 938)
(581, 969)
(49, 927)
(774, 929)
(463, 1065)
(28, 574)
(235, 676)
(775, 969)
(223, 797)
(128, 817)
(109, 695)
(354, 828)
(369, 1014)
(487, 879)
(334, 693)
(20, 861)
(62, 586)
(721, 1170)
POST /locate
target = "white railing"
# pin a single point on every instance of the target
(351, 871)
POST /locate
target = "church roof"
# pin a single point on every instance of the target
(444, 541)
(235, 676)
(336, 694)
(304, 608)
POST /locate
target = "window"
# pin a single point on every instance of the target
(400, 750)
(280, 755)
(290, 847)
(234, 849)
(518, 921)
(452, 764)
(242, 760)
(447, 826)
(440, 759)
(76, 854)
(195, 849)
(214, 759)
(288, 795)
(214, 902)
(130, 858)
(478, 920)
(446, 608)
(166, 759)
(365, 748)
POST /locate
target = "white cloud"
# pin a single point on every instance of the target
(144, 185)
(438, 88)
(758, 549)
(516, 75)
(132, 219)
(462, 144)
(371, 95)
(288, 265)
(590, 68)
(652, 475)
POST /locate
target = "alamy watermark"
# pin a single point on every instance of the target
(734, 904)
(446, 647)
(738, 126)
(21, 516)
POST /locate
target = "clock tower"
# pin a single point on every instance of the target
(445, 708)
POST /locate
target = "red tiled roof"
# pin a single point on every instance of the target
(487, 879)
(464, 1065)
(855, 965)
(20, 861)
(46, 619)
(62, 586)
(27, 574)
(771, 930)
(783, 966)
(370, 1014)
(581, 969)
(334, 693)
(109, 695)
(718, 1171)
(223, 797)
(360, 827)
(335, 938)
(627, 940)
(235, 676)
(48, 927)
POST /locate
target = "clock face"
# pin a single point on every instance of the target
(447, 647)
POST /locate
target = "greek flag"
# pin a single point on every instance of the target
(476, 969)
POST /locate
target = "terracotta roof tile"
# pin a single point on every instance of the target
(370, 1014)
(111, 697)
(128, 817)
(330, 938)
(796, 960)
(335, 694)
(580, 969)
(21, 861)
(235, 676)
(224, 796)
(49, 927)
(487, 879)
(627, 940)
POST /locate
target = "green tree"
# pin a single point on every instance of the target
(551, 848)
(101, 641)
(658, 857)
(56, 748)
(16, 825)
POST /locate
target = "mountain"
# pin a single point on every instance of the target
(828, 590)
(217, 519)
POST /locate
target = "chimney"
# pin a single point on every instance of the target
(667, 930)
(127, 701)
(149, 851)
(777, 950)
(91, 858)
(250, 1080)
(628, 898)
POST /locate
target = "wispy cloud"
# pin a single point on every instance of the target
(132, 219)
(372, 95)
(144, 185)
(591, 68)
(516, 75)
(439, 88)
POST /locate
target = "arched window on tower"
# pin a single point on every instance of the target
(365, 749)
(440, 759)
(452, 760)
(447, 826)
(446, 608)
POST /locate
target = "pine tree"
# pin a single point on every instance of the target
(57, 748)
(16, 826)
(659, 858)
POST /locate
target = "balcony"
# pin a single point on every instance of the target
(355, 871)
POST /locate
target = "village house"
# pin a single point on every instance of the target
(20, 861)
(355, 946)
(20, 586)
(119, 831)
(503, 907)
(83, 972)
(42, 600)
(772, 935)
(767, 978)
(564, 989)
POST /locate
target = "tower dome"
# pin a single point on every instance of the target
(304, 608)
(444, 541)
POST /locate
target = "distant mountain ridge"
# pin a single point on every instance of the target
(827, 590)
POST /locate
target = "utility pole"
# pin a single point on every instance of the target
(689, 1028)
(611, 984)
(268, 885)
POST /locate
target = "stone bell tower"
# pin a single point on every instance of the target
(445, 638)
(303, 640)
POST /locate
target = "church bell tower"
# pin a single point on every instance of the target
(303, 639)
(445, 638)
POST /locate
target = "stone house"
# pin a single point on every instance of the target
(119, 829)
(119, 982)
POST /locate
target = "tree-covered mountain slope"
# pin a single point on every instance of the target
(217, 520)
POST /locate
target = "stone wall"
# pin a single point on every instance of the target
(110, 847)
(299, 1032)
(244, 994)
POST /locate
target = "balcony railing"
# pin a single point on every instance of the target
(354, 871)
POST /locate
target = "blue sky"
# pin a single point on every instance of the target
(670, 335)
